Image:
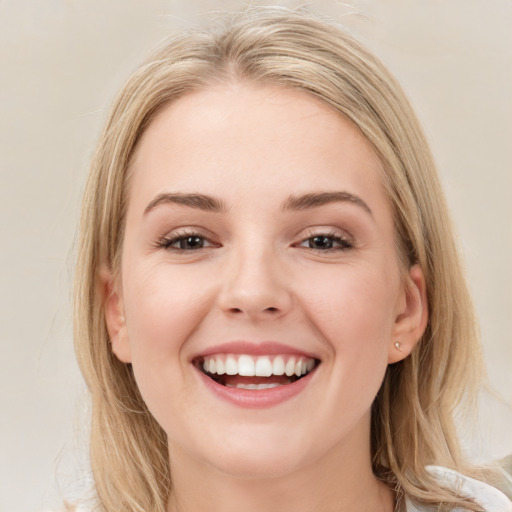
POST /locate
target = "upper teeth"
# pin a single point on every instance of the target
(261, 366)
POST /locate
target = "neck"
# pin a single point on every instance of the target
(341, 480)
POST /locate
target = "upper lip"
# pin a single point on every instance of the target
(264, 348)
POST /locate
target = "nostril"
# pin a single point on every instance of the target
(271, 310)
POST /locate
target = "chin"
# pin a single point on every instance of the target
(256, 467)
(254, 456)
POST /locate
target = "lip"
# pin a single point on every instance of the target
(264, 348)
(256, 399)
(261, 398)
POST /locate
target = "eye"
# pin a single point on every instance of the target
(326, 242)
(189, 243)
(185, 242)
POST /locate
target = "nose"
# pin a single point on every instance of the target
(256, 287)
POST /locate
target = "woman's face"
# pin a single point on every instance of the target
(259, 247)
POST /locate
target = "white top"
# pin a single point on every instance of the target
(491, 499)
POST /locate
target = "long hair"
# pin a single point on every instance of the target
(413, 413)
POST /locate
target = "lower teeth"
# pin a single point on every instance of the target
(253, 386)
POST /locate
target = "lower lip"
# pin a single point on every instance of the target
(257, 398)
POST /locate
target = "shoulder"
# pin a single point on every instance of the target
(490, 499)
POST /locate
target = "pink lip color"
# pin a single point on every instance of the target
(265, 348)
(256, 399)
(250, 398)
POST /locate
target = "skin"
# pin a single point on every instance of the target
(260, 276)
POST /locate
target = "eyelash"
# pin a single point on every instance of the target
(344, 244)
(167, 242)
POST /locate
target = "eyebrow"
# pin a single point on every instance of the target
(212, 204)
(199, 201)
(315, 200)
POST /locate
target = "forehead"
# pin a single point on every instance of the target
(242, 138)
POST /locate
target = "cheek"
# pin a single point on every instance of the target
(354, 311)
(162, 310)
(353, 305)
(163, 305)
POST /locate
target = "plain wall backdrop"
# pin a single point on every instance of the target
(62, 62)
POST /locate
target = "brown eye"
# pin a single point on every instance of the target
(321, 242)
(189, 243)
(326, 243)
(185, 242)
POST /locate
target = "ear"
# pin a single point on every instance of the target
(411, 320)
(114, 315)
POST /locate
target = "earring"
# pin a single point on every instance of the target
(398, 346)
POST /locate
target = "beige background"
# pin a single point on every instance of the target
(62, 61)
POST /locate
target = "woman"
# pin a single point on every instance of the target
(270, 308)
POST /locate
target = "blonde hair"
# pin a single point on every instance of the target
(413, 413)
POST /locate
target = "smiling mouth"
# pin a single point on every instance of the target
(244, 371)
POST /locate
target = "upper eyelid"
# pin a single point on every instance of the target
(185, 231)
(330, 231)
